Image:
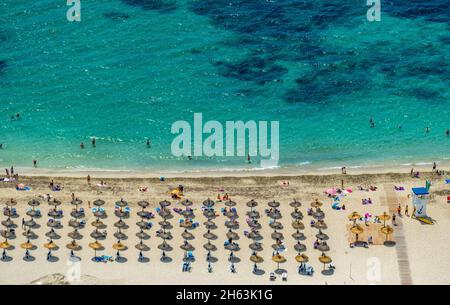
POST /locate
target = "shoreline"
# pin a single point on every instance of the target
(212, 173)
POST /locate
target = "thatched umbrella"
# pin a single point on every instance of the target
(316, 204)
(252, 204)
(387, 230)
(143, 204)
(5, 246)
(277, 235)
(97, 235)
(253, 214)
(8, 223)
(323, 247)
(255, 235)
(73, 246)
(76, 202)
(165, 204)
(279, 259)
(232, 247)
(99, 202)
(298, 225)
(299, 247)
(321, 236)
(75, 234)
(119, 247)
(354, 216)
(357, 230)
(187, 202)
(256, 246)
(257, 260)
(276, 225)
(11, 202)
(164, 246)
(51, 246)
(121, 203)
(319, 214)
(232, 235)
(302, 258)
(295, 204)
(34, 203)
(32, 213)
(321, 225)
(385, 217)
(297, 215)
(209, 214)
(187, 235)
(208, 203)
(209, 246)
(96, 246)
(230, 224)
(142, 247)
(210, 225)
(298, 235)
(142, 235)
(230, 203)
(210, 236)
(273, 204)
(8, 235)
(325, 260)
(27, 247)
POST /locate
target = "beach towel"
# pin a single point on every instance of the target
(447, 181)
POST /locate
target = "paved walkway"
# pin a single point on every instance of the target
(401, 247)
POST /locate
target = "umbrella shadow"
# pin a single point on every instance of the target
(121, 260)
(189, 259)
(143, 260)
(259, 272)
(390, 243)
(234, 259)
(53, 259)
(212, 259)
(6, 259)
(328, 272)
(29, 258)
(280, 271)
(74, 259)
(166, 259)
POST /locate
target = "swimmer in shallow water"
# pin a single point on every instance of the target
(447, 133)
(94, 142)
(82, 145)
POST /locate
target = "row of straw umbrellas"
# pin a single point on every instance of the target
(358, 229)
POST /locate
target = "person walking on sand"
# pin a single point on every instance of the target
(88, 179)
(399, 210)
(434, 166)
(393, 219)
(406, 211)
(12, 170)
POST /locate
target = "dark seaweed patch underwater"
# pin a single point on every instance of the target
(293, 31)
(162, 6)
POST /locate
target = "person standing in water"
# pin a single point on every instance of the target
(82, 145)
(148, 143)
(35, 163)
(249, 160)
(427, 129)
(372, 123)
(93, 142)
(447, 133)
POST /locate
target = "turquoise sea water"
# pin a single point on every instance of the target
(131, 68)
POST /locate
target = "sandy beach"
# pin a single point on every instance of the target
(418, 257)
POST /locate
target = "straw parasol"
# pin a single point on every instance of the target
(120, 224)
(277, 235)
(273, 204)
(99, 202)
(32, 213)
(256, 259)
(385, 217)
(232, 247)
(321, 225)
(30, 223)
(187, 247)
(316, 204)
(256, 246)
(276, 225)
(325, 260)
(27, 246)
(354, 217)
(143, 204)
(231, 224)
(164, 246)
(96, 246)
(252, 204)
(165, 203)
(34, 203)
(319, 214)
(297, 215)
(208, 203)
(11, 202)
(76, 203)
(97, 224)
(230, 203)
(302, 258)
(7, 235)
(298, 235)
(298, 225)
(8, 223)
(52, 235)
(51, 246)
(295, 204)
(357, 230)
(323, 247)
(142, 247)
(210, 235)
(279, 259)
(254, 235)
(121, 203)
(210, 224)
(142, 235)
(232, 235)
(74, 246)
(387, 230)
(187, 235)
(120, 235)
(97, 235)
(299, 247)
(75, 235)
(209, 246)
(5, 245)
(321, 236)
(187, 202)
(119, 246)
